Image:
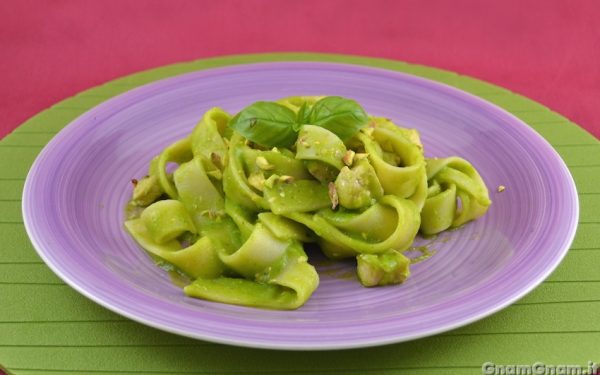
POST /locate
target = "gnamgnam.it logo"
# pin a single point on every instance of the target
(540, 368)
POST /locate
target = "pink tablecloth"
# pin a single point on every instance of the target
(546, 50)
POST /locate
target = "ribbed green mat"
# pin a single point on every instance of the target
(48, 328)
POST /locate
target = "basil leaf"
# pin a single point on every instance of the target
(267, 124)
(342, 116)
(302, 117)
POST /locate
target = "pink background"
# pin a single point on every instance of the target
(546, 50)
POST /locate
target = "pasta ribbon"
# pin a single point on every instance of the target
(392, 223)
(199, 195)
(235, 181)
(197, 260)
(208, 138)
(452, 180)
(167, 220)
(398, 161)
(289, 290)
(316, 143)
(277, 274)
(322, 152)
(178, 152)
(298, 196)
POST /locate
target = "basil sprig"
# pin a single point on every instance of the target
(271, 124)
(341, 116)
(267, 124)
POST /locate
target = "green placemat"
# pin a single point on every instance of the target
(47, 327)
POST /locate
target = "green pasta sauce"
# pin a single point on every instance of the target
(230, 222)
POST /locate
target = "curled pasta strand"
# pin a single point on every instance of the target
(277, 274)
(392, 223)
(208, 138)
(457, 195)
(403, 174)
(235, 181)
(197, 260)
(178, 152)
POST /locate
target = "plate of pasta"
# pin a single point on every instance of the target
(300, 205)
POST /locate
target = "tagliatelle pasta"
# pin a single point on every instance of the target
(250, 190)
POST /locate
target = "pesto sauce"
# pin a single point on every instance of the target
(426, 253)
(340, 274)
(427, 250)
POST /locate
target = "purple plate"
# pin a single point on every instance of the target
(76, 190)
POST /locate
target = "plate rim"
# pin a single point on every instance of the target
(29, 222)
